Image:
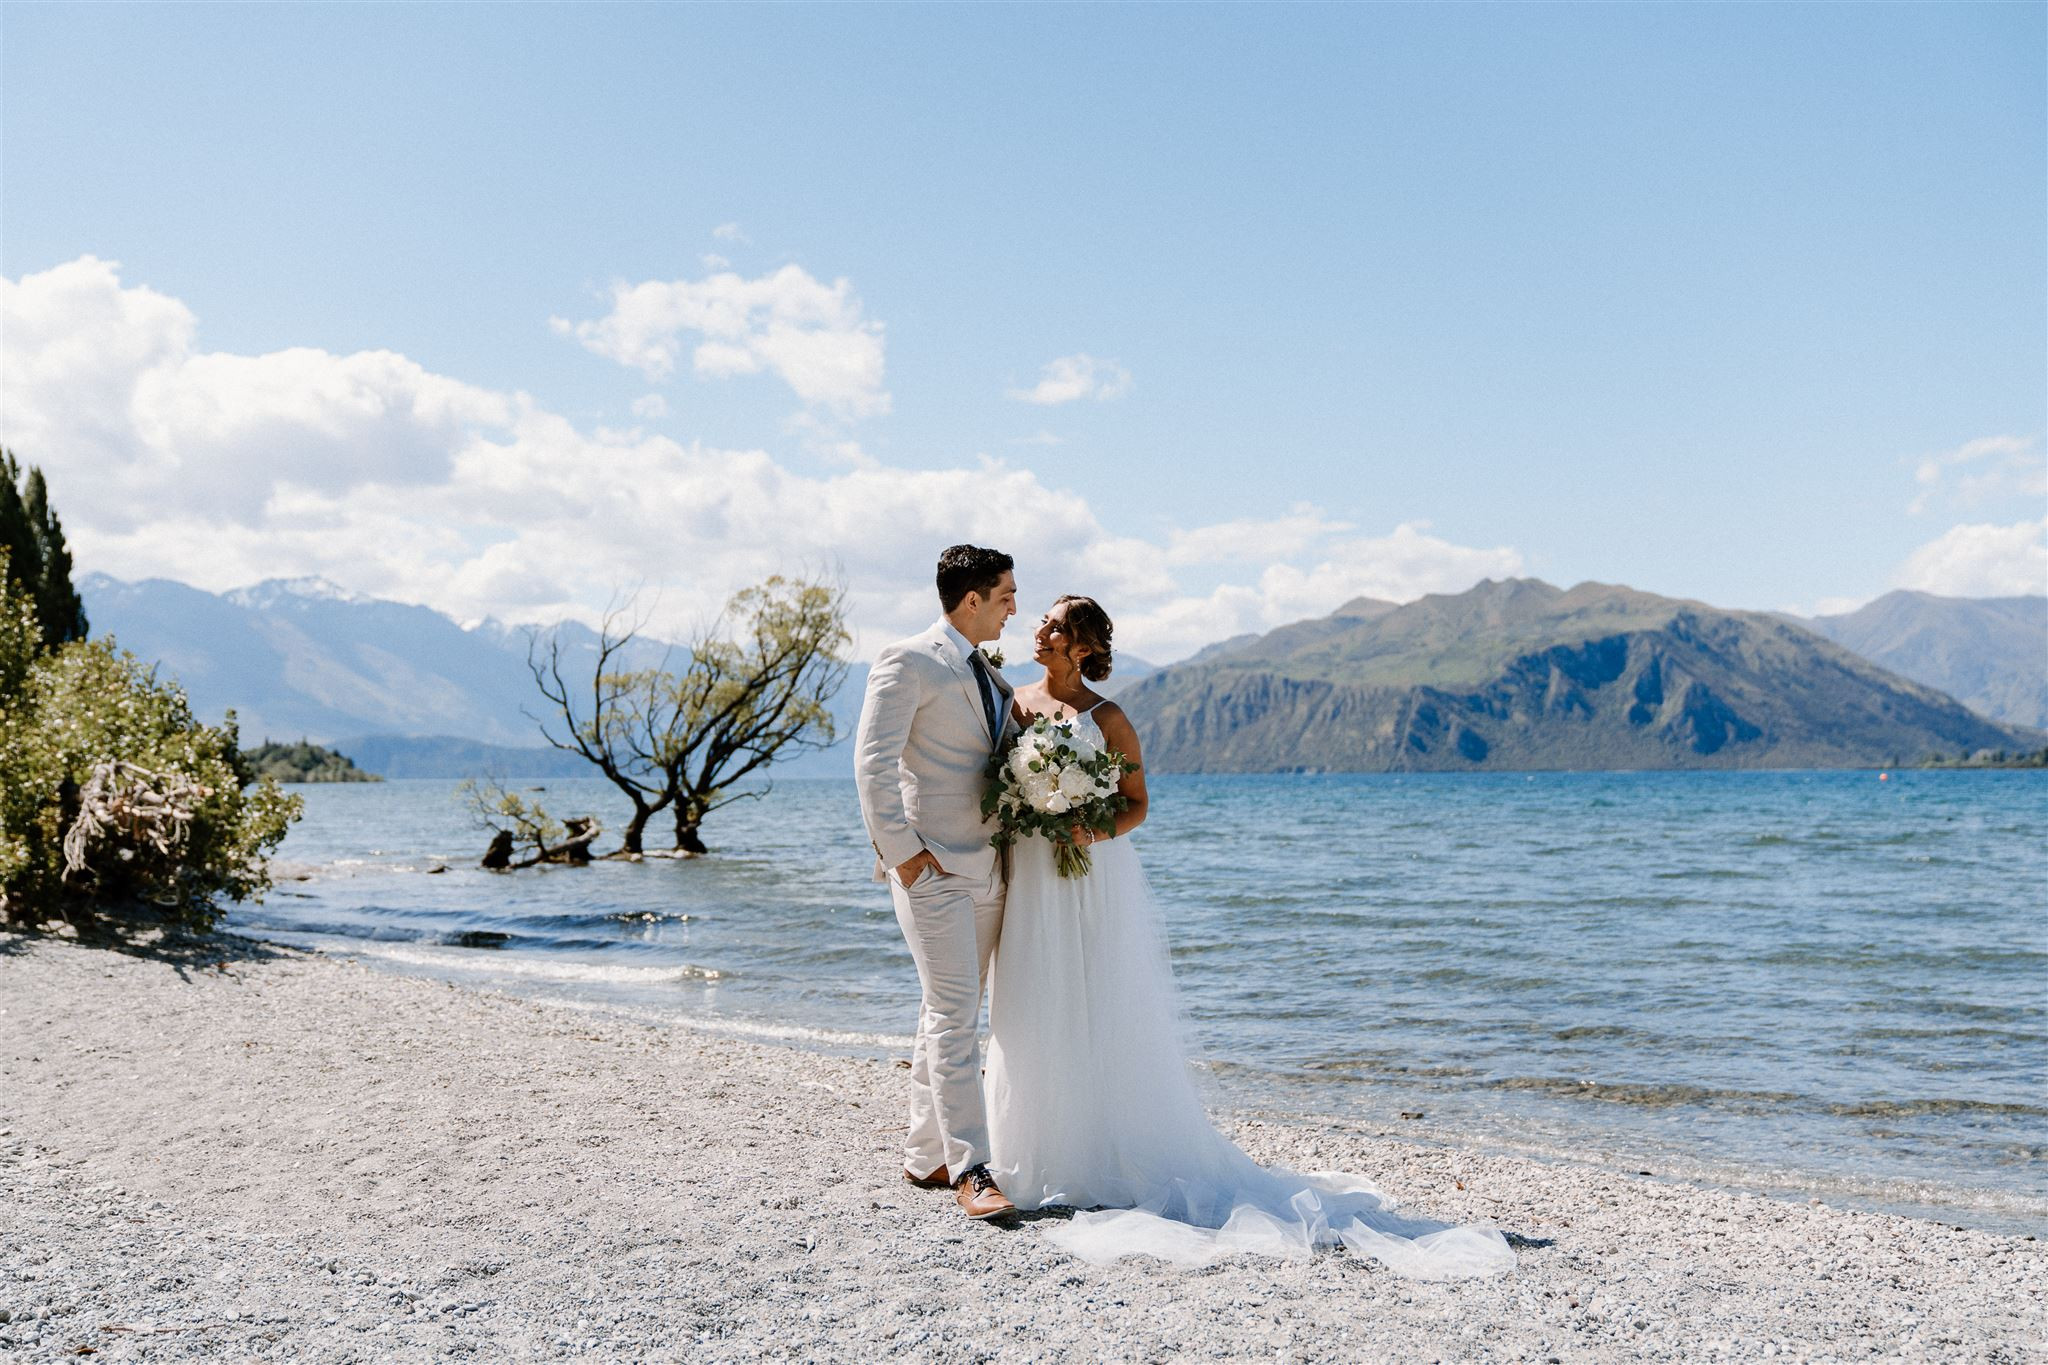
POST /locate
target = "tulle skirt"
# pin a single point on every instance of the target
(1091, 1105)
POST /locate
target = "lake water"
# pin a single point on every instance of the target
(1792, 982)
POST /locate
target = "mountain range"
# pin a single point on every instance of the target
(403, 690)
(1521, 674)
(1510, 674)
(1989, 653)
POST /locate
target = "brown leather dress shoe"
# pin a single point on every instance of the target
(978, 1197)
(941, 1179)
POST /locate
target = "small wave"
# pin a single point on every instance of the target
(2020, 1154)
(1592, 1031)
(539, 968)
(2023, 1014)
(1362, 1066)
(316, 929)
(1916, 1034)
(1910, 1108)
(1650, 1096)
(1487, 979)
(749, 1028)
(1645, 902)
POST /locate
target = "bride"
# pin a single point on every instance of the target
(1090, 1102)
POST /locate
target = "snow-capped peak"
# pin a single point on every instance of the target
(272, 591)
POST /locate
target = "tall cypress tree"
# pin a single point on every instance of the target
(17, 534)
(59, 610)
(37, 557)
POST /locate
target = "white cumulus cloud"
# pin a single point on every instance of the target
(110, 377)
(1253, 539)
(220, 469)
(652, 406)
(1979, 470)
(1074, 377)
(809, 334)
(1981, 561)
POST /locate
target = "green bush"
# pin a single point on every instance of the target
(113, 798)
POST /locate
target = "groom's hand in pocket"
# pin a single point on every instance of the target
(908, 873)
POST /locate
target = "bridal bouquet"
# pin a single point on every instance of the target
(1046, 782)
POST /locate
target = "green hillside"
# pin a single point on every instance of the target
(1521, 674)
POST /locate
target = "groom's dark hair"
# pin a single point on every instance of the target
(969, 568)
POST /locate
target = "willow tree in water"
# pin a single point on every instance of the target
(691, 735)
(757, 689)
(619, 720)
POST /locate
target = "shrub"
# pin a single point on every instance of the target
(113, 797)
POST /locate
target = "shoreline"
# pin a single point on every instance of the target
(1573, 1141)
(255, 1151)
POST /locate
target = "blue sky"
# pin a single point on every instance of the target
(1743, 303)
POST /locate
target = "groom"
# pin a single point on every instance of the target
(935, 710)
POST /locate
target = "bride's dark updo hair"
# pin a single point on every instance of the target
(1088, 624)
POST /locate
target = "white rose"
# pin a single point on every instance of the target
(1084, 752)
(1039, 788)
(1021, 759)
(1076, 785)
(1057, 804)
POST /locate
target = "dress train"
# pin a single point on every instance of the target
(1091, 1104)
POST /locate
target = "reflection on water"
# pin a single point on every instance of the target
(1795, 980)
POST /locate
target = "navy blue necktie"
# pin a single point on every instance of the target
(988, 691)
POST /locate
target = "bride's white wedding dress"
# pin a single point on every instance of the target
(1091, 1104)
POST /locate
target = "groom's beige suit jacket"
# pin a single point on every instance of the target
(921, 753)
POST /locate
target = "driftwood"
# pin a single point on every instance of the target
(499, 855)
(579, 834)
(126, 803)
(582, 834)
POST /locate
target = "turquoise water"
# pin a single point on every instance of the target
(1795, 982)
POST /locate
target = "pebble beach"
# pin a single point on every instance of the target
(224, 1149)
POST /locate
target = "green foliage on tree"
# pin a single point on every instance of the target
(753, 687)
(40, 560)
(303, 762)
(497, 808)
(756, 690)
(526, 833)
(113, 797)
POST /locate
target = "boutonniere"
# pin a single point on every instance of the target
(994, 656)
